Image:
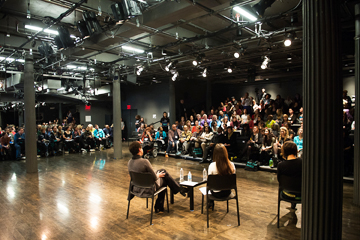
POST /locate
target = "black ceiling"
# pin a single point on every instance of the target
(184, 29)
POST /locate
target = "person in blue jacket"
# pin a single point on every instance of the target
(160, 137)
(100, 137)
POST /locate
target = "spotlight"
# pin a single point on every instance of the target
(171, 65)
(236, 55)
(261, 6)
(140, 69)
(164, 52)
(204, 74)
(195, 63)
(289, 57)
(288, 39)
(39, 88)
(265, 63)
(176, 74)
(229, 70)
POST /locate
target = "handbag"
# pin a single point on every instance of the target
(252, 166)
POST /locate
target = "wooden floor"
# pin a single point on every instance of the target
(83, 196)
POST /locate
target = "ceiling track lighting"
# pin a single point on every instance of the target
(289, 37)
(204, 73)
(139, 70)
(175, 75)
(244, 13)
(265, 63)
(229, 70)
(171, 65)
(198, 60)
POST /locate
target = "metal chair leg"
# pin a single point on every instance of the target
(207, 210)
(278, 214)
(237, 208)
(152, 209)
(147, 202)
(127, 214)
(202, 204)
(227, 206)
(167, 200)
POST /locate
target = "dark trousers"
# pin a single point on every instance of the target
(69, 145)
(147, 146)
(166, 181)
(103, 142)
(221, 194)
(265, 157)
(250, 151)
(207, 150)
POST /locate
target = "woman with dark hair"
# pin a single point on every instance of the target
(222, 166)
(165, 122)
(192, 121)
(291, 167)
(146, 141)
(267, 147)
(137, 122)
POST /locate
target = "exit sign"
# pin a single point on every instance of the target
(87, 108)
(128, 107)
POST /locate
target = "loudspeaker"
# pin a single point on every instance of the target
(92, 24)
(118, 12)
(65, 37)
(81, 26)
(131, 8)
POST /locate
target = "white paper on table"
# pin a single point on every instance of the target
(203, 191)
(187, 183)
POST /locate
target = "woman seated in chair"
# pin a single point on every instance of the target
(161, 177)
(291, 167)
(146, 141)
(160, 137)
(222, 166)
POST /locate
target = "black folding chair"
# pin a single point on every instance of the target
(134, 137)
(145, 181)
(218, 183)
(291, 185)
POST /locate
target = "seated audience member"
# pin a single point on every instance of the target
(184, 141)
(210, 116)
(108, 134)
(256, 106)
(193, 129)
(188, 124)
(218, 137)
(160, 137)
(214, 127)
(5, 145)
(195, 141)
(146, 141)
(250, 122)
(216, 121)
(246, 132)
(60, 130)
(276, 130)
(173, 137)
(279, 116)
(267, 147)
(291, 132)
(291, 167)
(9, 132)
(192, 121)
(68, 140)
(100, 138)
(270, 122)
(87, 141)
(292, 116)
(233, 100)
(230, 141)
(141, 129)
(55, 140)
(244, 117)
(298, 140)
(206, 137)
(43, 142)
(285, 119)
(165, 122)
(181, 125)
(221, 115)
(225, 122)
(137, 122)
(19, 142)
(205, 120)
(161, 177)
(283, 137)
(267, 99)
(221, 166)
(253, 146)
(122, 131)
(142, 120)
(235, 123)
(301, 115)
(198, 117)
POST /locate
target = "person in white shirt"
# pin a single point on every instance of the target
(222, 166)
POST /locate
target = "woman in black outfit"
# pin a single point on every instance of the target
(291, 167)
(267, 147)
(165, 122)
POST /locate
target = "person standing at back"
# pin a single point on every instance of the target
(165, 122)
(221, 166)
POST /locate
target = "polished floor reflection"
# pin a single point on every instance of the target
(83, 196)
